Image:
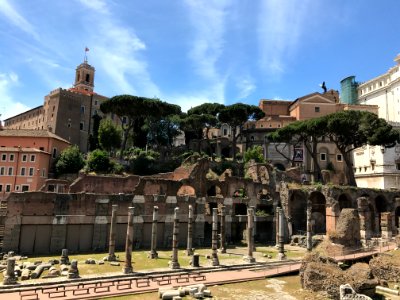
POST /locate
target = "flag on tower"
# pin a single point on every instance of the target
(86, 49)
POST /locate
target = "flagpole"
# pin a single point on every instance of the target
(85, 57)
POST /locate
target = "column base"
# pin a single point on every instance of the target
(215, 261)
(8, 280)
(127, 270)
(281, 256)
(222, 250)
(111, 257)
(153, 255)
(189, 252)
(174, 265)
(249, 259)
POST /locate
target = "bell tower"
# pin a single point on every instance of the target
(84, 77)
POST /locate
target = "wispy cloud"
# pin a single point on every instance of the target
(245, 86)
(8, 11)
(281, 25)
(209, 21)
(119, 51)
(9, 106)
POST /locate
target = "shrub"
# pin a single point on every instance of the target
(255, 153)
(70, 161)
(98, 161)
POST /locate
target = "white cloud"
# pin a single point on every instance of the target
(118, 50)
(8, 106)
(245, 86)
(209, 21)
(17, 19)
(280, 27)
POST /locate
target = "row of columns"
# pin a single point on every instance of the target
(174, 264)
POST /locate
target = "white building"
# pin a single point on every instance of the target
(376, 166)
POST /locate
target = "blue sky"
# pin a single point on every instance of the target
(189, 52)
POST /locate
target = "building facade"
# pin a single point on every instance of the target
(373, 165)
(26, 157)
(67, 113)
(281, 113)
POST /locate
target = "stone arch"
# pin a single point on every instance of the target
(381, 206)
(280, 166)
(345, 201)
(298, 212)
(397, 218)
(318, 212)
(212, 191)
(240, 208)
(186, 190)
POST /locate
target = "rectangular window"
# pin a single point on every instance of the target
(82, 109)
(41, 148)
(2, 171)
(11, 157)
(322, 156)
(24, 157)
(8, 188)
(3, 157)
(81, 125)
(316, 109)
(397, 166)
(1, 187)
(44, 173)
(54, 152)
(17, 188)
(339, 157)
(31, 171)
(10, 171)
(33, 157)
(25, 188)
(22, 171)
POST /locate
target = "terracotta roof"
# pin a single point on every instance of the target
(30, 133)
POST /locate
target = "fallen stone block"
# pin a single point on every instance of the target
(207, 293)
(39, 270)
(199, 295)
(114, 263)
(26, 274)
(170, 294)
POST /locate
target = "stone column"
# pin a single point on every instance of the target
(9, 277)
(386, 226)
(174, 264)
(111, 245)
(189, 248)
(214, 237)
(73, 271)
(153, 252)
(281, 233)
(64, 260)
(222, 249)
(277, 227)
(128, 243)
(309, 230)
(250, 236)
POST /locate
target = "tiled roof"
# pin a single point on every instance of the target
(30, 133)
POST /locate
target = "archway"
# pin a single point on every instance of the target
(298, 212)
(279, 166)
(212, 191)
(381, 206)
(318, 212)
(344, 201)
(396, 217)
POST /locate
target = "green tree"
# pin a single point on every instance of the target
(236, 115)
(206, 115)
(129, 109)
(109, 135)
(94, 137)
(98, 161)
(255, 153)
(70, 161)
(353, 129)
